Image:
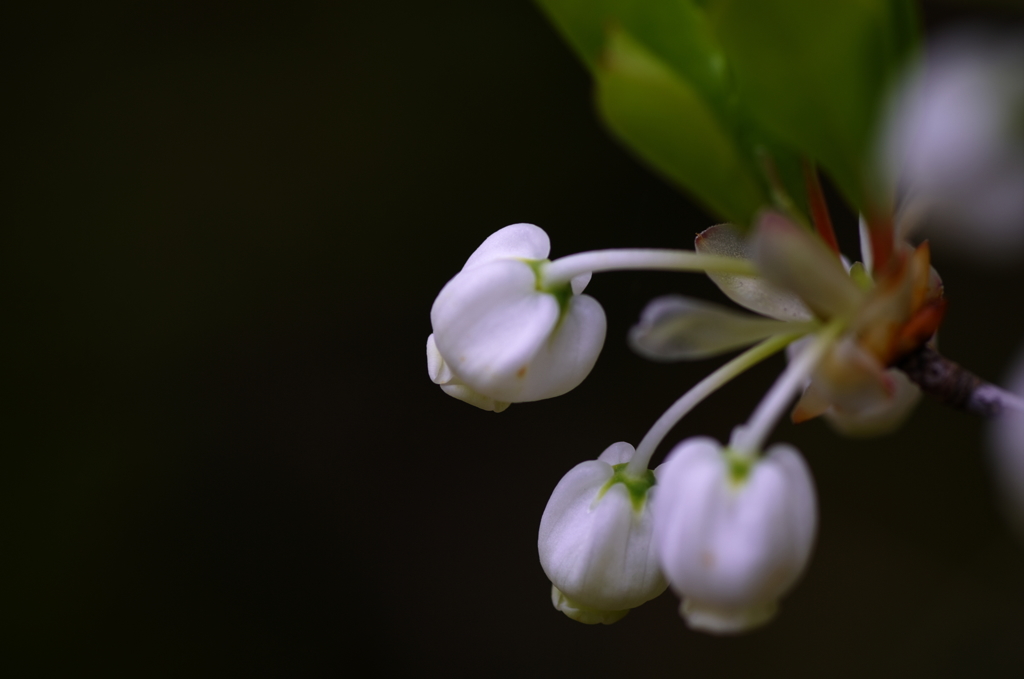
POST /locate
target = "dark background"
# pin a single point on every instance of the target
(227, 224)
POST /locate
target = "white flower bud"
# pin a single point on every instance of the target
(595, 540)
(732, 533)
(503, 335)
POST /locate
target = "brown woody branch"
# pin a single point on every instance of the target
(956, 386)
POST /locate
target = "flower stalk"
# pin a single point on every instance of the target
(750, 438)
(566, 268)
(641, 460)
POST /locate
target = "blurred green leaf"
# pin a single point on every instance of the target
(816, 73)
(674, 31)
(677, 36)
(765, 82)
(669, 123)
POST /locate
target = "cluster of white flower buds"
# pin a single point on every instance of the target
(729, 528)
(730, 531)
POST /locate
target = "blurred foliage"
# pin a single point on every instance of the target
(725, 97)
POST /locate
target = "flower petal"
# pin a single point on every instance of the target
(881, 416)
(867, 255)
(619, 557)
(584, 614)
(852, 379)
(676, 328)
(811, 404)
(517, 241)
(574, 494)
(460, 391)
(490, 321)
(595, 546)
(569, 354)
(580, 283)
(754, 293)
(794, 260)
(732, 548)
(438, 370)
(617, 453)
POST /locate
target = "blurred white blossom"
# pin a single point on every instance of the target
(954, 143)
(1006, 446)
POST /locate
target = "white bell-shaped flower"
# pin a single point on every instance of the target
(595, 540)
(502, 334)
(733, 533)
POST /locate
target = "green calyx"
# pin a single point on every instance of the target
(636, 485)
(861, 277)
(740, 466)
(562, 292)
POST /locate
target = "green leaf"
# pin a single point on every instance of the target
(667, 121)
(675, 31)
(816, 73)
(678, 37)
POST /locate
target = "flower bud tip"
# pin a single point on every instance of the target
(588, 616)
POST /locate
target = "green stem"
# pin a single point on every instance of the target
(749, 438)
(641, 459)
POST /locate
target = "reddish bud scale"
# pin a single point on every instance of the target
(819, 207)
